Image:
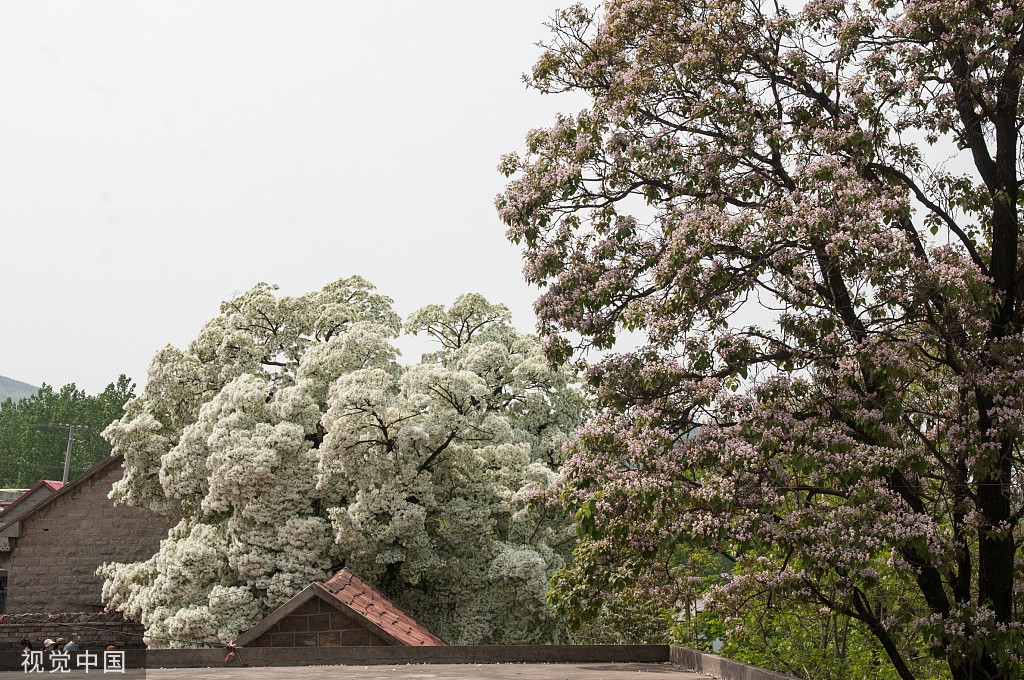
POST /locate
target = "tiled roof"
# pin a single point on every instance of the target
(63, 489)
(43, 483)
(62, 618)
(366, 601)
(8, 495)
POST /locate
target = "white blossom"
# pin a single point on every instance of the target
(290, 441)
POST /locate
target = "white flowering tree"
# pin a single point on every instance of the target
(291, 442)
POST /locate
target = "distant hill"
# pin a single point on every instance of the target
(15, 389)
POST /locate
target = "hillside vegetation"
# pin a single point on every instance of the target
(33, 441)
(15, 389)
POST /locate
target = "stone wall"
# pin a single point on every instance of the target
(94, 631)
(54, 560)
(719, 667)
(389, 655)
(317, 623)
(35, 497)
(708, 664)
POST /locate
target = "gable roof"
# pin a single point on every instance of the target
(362, 598)
(16, 508)
(362, 602)
(8, 496)
(46, 484)
(64, 489)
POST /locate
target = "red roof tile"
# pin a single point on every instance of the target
(364, 599)
(49, 484)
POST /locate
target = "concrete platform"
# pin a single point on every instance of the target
(553, 671)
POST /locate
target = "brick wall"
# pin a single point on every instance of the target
(26, 504)
(317, 623)
(54, 560)
(95, 631)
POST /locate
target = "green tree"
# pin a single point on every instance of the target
(33, 442)
(773, 626)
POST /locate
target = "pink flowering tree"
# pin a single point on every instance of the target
(811, 218)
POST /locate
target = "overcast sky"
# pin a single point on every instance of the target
(158, 157)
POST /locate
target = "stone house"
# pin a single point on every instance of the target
(14, 504)
(344, 611)
(57, 545)
(9, 497)
(23, 504)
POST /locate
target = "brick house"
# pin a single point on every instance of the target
(24, 504)
(342, 612)
(57, 545)
(12, 506)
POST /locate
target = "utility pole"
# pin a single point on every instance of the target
(67, 454)
(71, 439)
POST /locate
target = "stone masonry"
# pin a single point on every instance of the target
(63, 541)
(317, 624)
(25, 503)
(96, 630)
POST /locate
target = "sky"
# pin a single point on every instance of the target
(160, 157)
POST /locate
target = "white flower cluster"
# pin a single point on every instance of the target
(291, 442)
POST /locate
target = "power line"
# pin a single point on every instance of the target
(71, 438)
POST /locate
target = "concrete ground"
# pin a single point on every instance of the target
(496, 671)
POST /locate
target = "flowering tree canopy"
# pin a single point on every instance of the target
(812, 217)
(291, 442)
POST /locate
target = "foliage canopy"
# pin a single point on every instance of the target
(291, 442)
(32, 442)
(812, 217)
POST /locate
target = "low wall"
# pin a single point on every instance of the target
(719, 667)
(708, 664)
(132, 658)
(94, 630)
(311, 656)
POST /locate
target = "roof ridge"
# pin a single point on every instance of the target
(65, 489)
(378, 609)
(10, 507)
